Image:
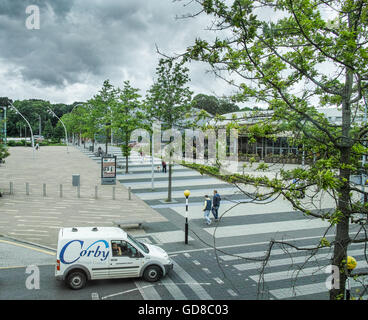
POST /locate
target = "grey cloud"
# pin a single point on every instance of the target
(94, 40)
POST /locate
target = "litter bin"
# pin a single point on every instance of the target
(76, 180)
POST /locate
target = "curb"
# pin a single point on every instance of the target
(28, 242)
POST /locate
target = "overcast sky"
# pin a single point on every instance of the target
(81, 43)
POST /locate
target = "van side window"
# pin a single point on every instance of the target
(116, 248)
(122, 248)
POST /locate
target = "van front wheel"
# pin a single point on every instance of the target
(76, 280)
(152, 273)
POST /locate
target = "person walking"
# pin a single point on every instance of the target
(163, 166)
(207, 209)
(215, 204)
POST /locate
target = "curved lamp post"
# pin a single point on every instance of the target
(66, 133)
(186, 194)
(30, 128)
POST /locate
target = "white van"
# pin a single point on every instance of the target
(106, 253)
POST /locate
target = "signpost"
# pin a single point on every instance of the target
(108, 170)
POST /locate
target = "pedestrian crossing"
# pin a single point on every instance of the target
(187, 282)
(249, 223)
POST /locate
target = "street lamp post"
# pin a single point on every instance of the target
(186, 194)
(30, 128)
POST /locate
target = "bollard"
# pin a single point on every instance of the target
(130, 193)
(27, 188)
(44, 189)
(95, 192)
(113, 193)
(61, 190)
(11, 188)
(78, 191)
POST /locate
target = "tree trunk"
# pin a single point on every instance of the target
(342, 229)
(126, 153)
(126, 163)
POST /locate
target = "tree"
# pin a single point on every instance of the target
(168, 100)
(207, 103)
(213, 105)
(48, 130)
(127, 116)
(227, 106)
(311, 53)
(3, 149)
(101, 106)
(33, 110)
(59, 132)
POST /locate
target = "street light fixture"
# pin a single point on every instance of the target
(186, 194)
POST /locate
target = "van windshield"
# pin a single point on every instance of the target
(141, 245)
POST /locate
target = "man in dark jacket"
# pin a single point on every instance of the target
(215, 204)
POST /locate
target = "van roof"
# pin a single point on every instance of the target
(92, 232)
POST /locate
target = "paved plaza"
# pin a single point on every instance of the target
(37, 218)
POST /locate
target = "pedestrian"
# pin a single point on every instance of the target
(207, 209)
(142, 155)
(215, 204)
(37, 146)
(163, 166)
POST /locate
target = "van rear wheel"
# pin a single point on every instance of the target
(76, 280)
(152, 273)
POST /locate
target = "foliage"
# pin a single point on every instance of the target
(169, 101)
(127, 116)
(311, 53)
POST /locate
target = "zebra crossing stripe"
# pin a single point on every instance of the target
(232, 292)
(304, 290)
(197, 288)
(289, 274)
(260, 254)
(173, 289)
(288, 261)
(147, 292)
(268, 227)
(95, 296)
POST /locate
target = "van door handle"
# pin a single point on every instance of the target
(114, 259)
